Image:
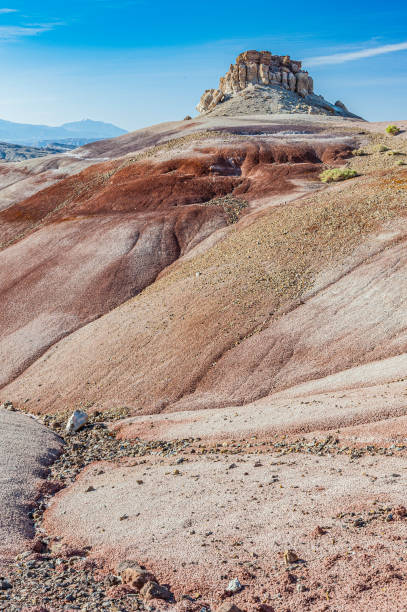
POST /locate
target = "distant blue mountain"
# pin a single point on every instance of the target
(81, 131)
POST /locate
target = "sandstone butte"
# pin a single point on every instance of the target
(235, 329)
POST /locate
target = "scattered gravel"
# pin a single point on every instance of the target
(95, 442)
(380, 513)
(232, 206)
(270, 99)
(58, 578)
(63, 582)
(282, 446)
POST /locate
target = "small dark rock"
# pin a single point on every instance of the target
(39, 546)
(111, 580)
(4, 584)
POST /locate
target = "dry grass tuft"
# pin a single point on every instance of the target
(359, 152)
(380, 148)
(393, 130)
(334, 175)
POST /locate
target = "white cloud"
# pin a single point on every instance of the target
(340, 58)
(3, 11)
(10, 33)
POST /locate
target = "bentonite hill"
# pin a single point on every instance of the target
(235, 330)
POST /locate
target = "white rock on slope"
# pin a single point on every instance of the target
(76, 421)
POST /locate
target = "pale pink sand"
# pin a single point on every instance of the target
(212, 522)
(296, 415)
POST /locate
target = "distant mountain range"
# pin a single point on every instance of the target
(73, 134)
(13, 153)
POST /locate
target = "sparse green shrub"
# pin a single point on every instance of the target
(337, 174)
(359, 152)
(401, 163)
(393, 130)
(394, 153)
(381, 148)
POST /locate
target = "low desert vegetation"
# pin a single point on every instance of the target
(359, 152)
(393, 130)
(394, 153)
(333, 175)
(381, 148)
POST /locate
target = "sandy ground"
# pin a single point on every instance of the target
(349, 334)
(125, 225)
(27, 448)
(204, 521)
(380, 126)
(236, 322)
(48, 292)
(292, 415)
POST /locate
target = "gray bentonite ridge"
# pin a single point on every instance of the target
(27, 449)
(260, 82)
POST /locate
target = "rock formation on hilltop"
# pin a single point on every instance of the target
(260, 82)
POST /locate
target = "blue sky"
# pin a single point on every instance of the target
(135, 62)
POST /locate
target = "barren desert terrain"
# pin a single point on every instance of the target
(236, 331)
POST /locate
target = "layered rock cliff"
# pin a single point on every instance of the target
(268, 76)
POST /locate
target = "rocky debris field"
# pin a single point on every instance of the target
(50, 574)
(260, 524)
(271, 99)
